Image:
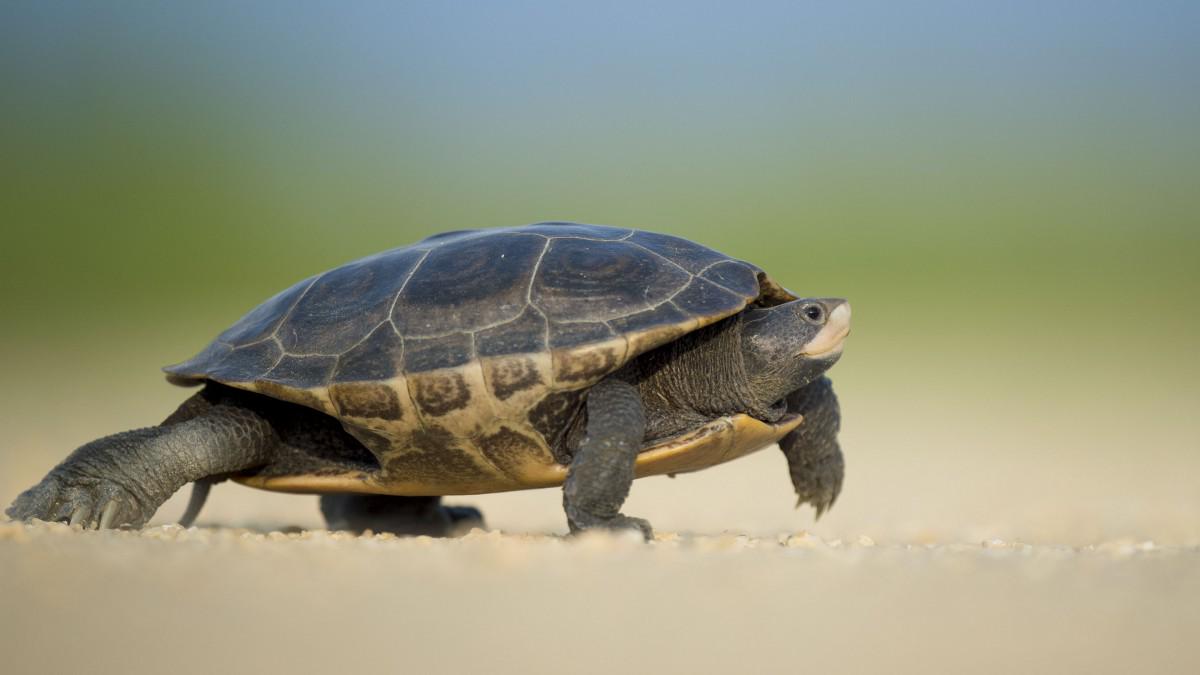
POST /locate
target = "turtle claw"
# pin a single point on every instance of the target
(108, 514)
(821, 500)
(81, 517)
(821, 508)
(60, 500)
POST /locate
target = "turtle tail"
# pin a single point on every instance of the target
(200, 491)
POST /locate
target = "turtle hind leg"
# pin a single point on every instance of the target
(122, 479)
(398, 515)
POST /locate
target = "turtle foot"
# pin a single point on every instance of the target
(91, 503)
(618, 523)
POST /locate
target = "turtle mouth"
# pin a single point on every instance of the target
(831, 338)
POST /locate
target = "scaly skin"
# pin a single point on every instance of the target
(814, 457)
(122, 479)
(602, 469)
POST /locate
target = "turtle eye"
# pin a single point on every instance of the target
(814, 313)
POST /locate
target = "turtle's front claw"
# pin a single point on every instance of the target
(81, 516)
(108, 515)
(88, 503)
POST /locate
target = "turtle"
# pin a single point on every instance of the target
(480, 361)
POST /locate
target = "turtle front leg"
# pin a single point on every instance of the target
(601, 471)
(813, 455)
(122, 479)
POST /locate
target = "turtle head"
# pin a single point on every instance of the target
(787, 346)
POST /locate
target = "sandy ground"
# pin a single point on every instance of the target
(204, 600)
(971, 537)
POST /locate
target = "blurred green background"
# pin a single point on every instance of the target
(1009, 195)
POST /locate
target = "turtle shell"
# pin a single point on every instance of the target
(460, 359)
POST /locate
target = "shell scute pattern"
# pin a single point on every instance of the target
(509, 449)
(457, 360)
(439, 394)
(703, 298)
(525, 334)
(301, 371)
(346, 304)
(446, 351)
(249, 362)
(734, 276)
(367, 400)
(510, 376)
(262, 322)
(436, 456)
(575, 333)
(584, 280)
(380, 356)
(468, 284)
(676, 251)
(480, 293)
(589, 365)
(666, 315)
